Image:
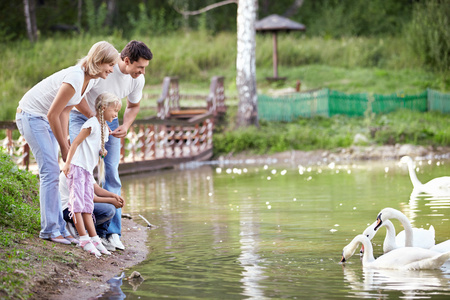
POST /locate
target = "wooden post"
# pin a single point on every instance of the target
(275, 55)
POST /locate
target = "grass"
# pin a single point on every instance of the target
(402, 127)
(379, 65)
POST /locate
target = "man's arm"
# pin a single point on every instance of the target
(128, 118)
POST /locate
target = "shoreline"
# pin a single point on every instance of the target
(86, 276)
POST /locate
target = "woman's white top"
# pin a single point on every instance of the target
(87, 153)
(38, 100)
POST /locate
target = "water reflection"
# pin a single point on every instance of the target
(271, 232)
(249, 258)
(413, 284)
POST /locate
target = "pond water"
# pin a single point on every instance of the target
(274, 231)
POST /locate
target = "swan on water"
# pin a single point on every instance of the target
(391, 213)
(439, 185)
(422, 238)
(407, 258)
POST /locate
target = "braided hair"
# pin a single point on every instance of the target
(102, 102)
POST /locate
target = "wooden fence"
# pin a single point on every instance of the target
(150, 144)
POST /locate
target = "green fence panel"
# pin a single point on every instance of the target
(274, 109)
(289, 107)
(347, 104)
(438, 101)
(388, 103)
(326, 102)
(310, 104)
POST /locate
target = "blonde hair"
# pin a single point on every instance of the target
(100, 53)
(102, 102)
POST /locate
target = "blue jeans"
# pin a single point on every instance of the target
(39, 136)
(112, 159)
(103, 213)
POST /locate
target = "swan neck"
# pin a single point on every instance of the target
(413, 176)
(408, 230)
(368, 250)
(390, 234)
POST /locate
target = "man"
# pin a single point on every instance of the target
(105, 205)
(127, 81)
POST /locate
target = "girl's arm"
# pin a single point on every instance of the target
(65, 93)
(105, 196)
(84, 133)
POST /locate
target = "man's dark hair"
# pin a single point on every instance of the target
(135, 50)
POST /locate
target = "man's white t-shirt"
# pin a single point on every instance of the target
(119, 84)
(87, 153)
(38, 100)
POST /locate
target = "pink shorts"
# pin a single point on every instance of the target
(81, 190)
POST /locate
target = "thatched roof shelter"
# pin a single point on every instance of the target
(275, 23)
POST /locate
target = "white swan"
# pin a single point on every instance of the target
(441, 247)
(437, 186)
(427, 237)
(408, 258)
(421, 237)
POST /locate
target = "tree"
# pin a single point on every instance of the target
(245, 61)
(29, 7)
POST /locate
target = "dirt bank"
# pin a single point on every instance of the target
(68, 272)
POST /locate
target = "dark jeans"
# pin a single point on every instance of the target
(103, 213)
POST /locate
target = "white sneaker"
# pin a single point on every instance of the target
(72, 230)
(90, 247)
(108, 245)
(115, 241)
(101, 248)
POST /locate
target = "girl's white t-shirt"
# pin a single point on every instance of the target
(87, 153)
(38, 100)
(120, 84)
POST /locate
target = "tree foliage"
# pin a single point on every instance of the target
(429, 35)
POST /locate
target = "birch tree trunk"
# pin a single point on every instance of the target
(111, 7)
(245, 63)
(30, 19)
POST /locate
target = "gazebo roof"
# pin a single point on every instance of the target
(277, 23)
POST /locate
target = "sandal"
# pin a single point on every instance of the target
(72, 240)
(60, 240)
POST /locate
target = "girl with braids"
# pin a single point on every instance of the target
(87, 149)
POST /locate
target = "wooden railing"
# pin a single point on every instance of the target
(168, 104)
(150, 144)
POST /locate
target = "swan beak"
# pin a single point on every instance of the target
(379, 222)
(342, 259)
(362, 249)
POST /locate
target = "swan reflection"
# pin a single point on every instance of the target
(413, 284)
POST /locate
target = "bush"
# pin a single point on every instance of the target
(428, 33)
(19, 201)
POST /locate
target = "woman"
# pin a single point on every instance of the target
(42, 119)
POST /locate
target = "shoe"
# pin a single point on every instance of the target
(101, 248)
(72, 240)
(108, 245)
(115, 240)
(61, 241)
(89, 247)
(72, 230)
